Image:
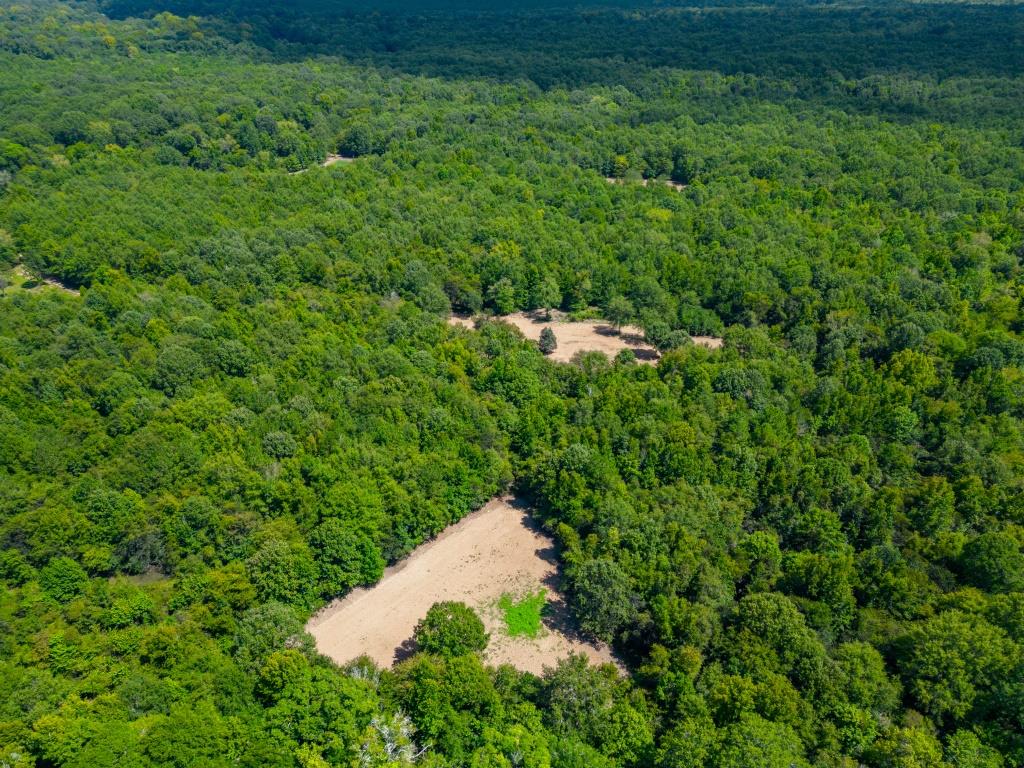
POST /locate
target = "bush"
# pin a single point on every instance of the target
(279, 445)
(63, 579)
(176, 367)
(14, 568)
(548, 343)
(284, 572)
(451, 629)
(523, 618)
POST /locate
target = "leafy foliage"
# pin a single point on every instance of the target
(547, 343)
(523, 617)
(451, 629)
(228, 393)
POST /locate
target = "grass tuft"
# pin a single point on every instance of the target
(523, 617)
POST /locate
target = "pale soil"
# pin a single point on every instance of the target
(21, 277)
(462, 321)
(648, 183)
(335, 159)
(711, 342)
(584, 336)
(328, 162)
(495, 550)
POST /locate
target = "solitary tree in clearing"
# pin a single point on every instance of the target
(451, 629)
(548, 343)
(620, 311)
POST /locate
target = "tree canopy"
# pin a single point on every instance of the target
(229, 393)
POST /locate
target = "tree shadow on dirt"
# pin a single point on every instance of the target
(406, 650)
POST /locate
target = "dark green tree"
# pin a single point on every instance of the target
(548, 343)
(451, 629)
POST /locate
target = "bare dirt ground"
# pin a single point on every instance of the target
(648, 183)
(711, 342)
(584, 336)
(335, 159)
(495, 550)
(328, 162)
(462, 321)
(25, 280)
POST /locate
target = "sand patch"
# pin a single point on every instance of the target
(584, 336)
(711, 342)
(20, 279)
(649, 183)
(574, 337)
(335, 159)
(462, 321)
(495, 550)
(327, 163)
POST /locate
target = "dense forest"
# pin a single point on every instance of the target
(229, 393)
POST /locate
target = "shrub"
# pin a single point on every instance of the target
(548, 343)
(280, 445)
(451, 629)
(63, 579)
(523, 618)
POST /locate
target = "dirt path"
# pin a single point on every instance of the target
(585, 336)
(495, 550)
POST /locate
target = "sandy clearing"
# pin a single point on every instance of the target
(711, 342)
(327, 163)
(495, 550)
(25, 276)
(335, 159)
(648, 183)
(584, 336)
(462, 321)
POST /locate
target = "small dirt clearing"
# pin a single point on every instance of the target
(335, 159)
(711, 342)
(495, 551)
(649, 183)
(462, 321)
(327, 163)
(583, 336)
(20, 279)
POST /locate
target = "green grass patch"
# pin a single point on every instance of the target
(14, 280)
(17, 279)
(523, 617)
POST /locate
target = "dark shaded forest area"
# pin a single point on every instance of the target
(237, 397)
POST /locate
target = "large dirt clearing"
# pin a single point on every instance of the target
(493, 551)
(585, 336)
